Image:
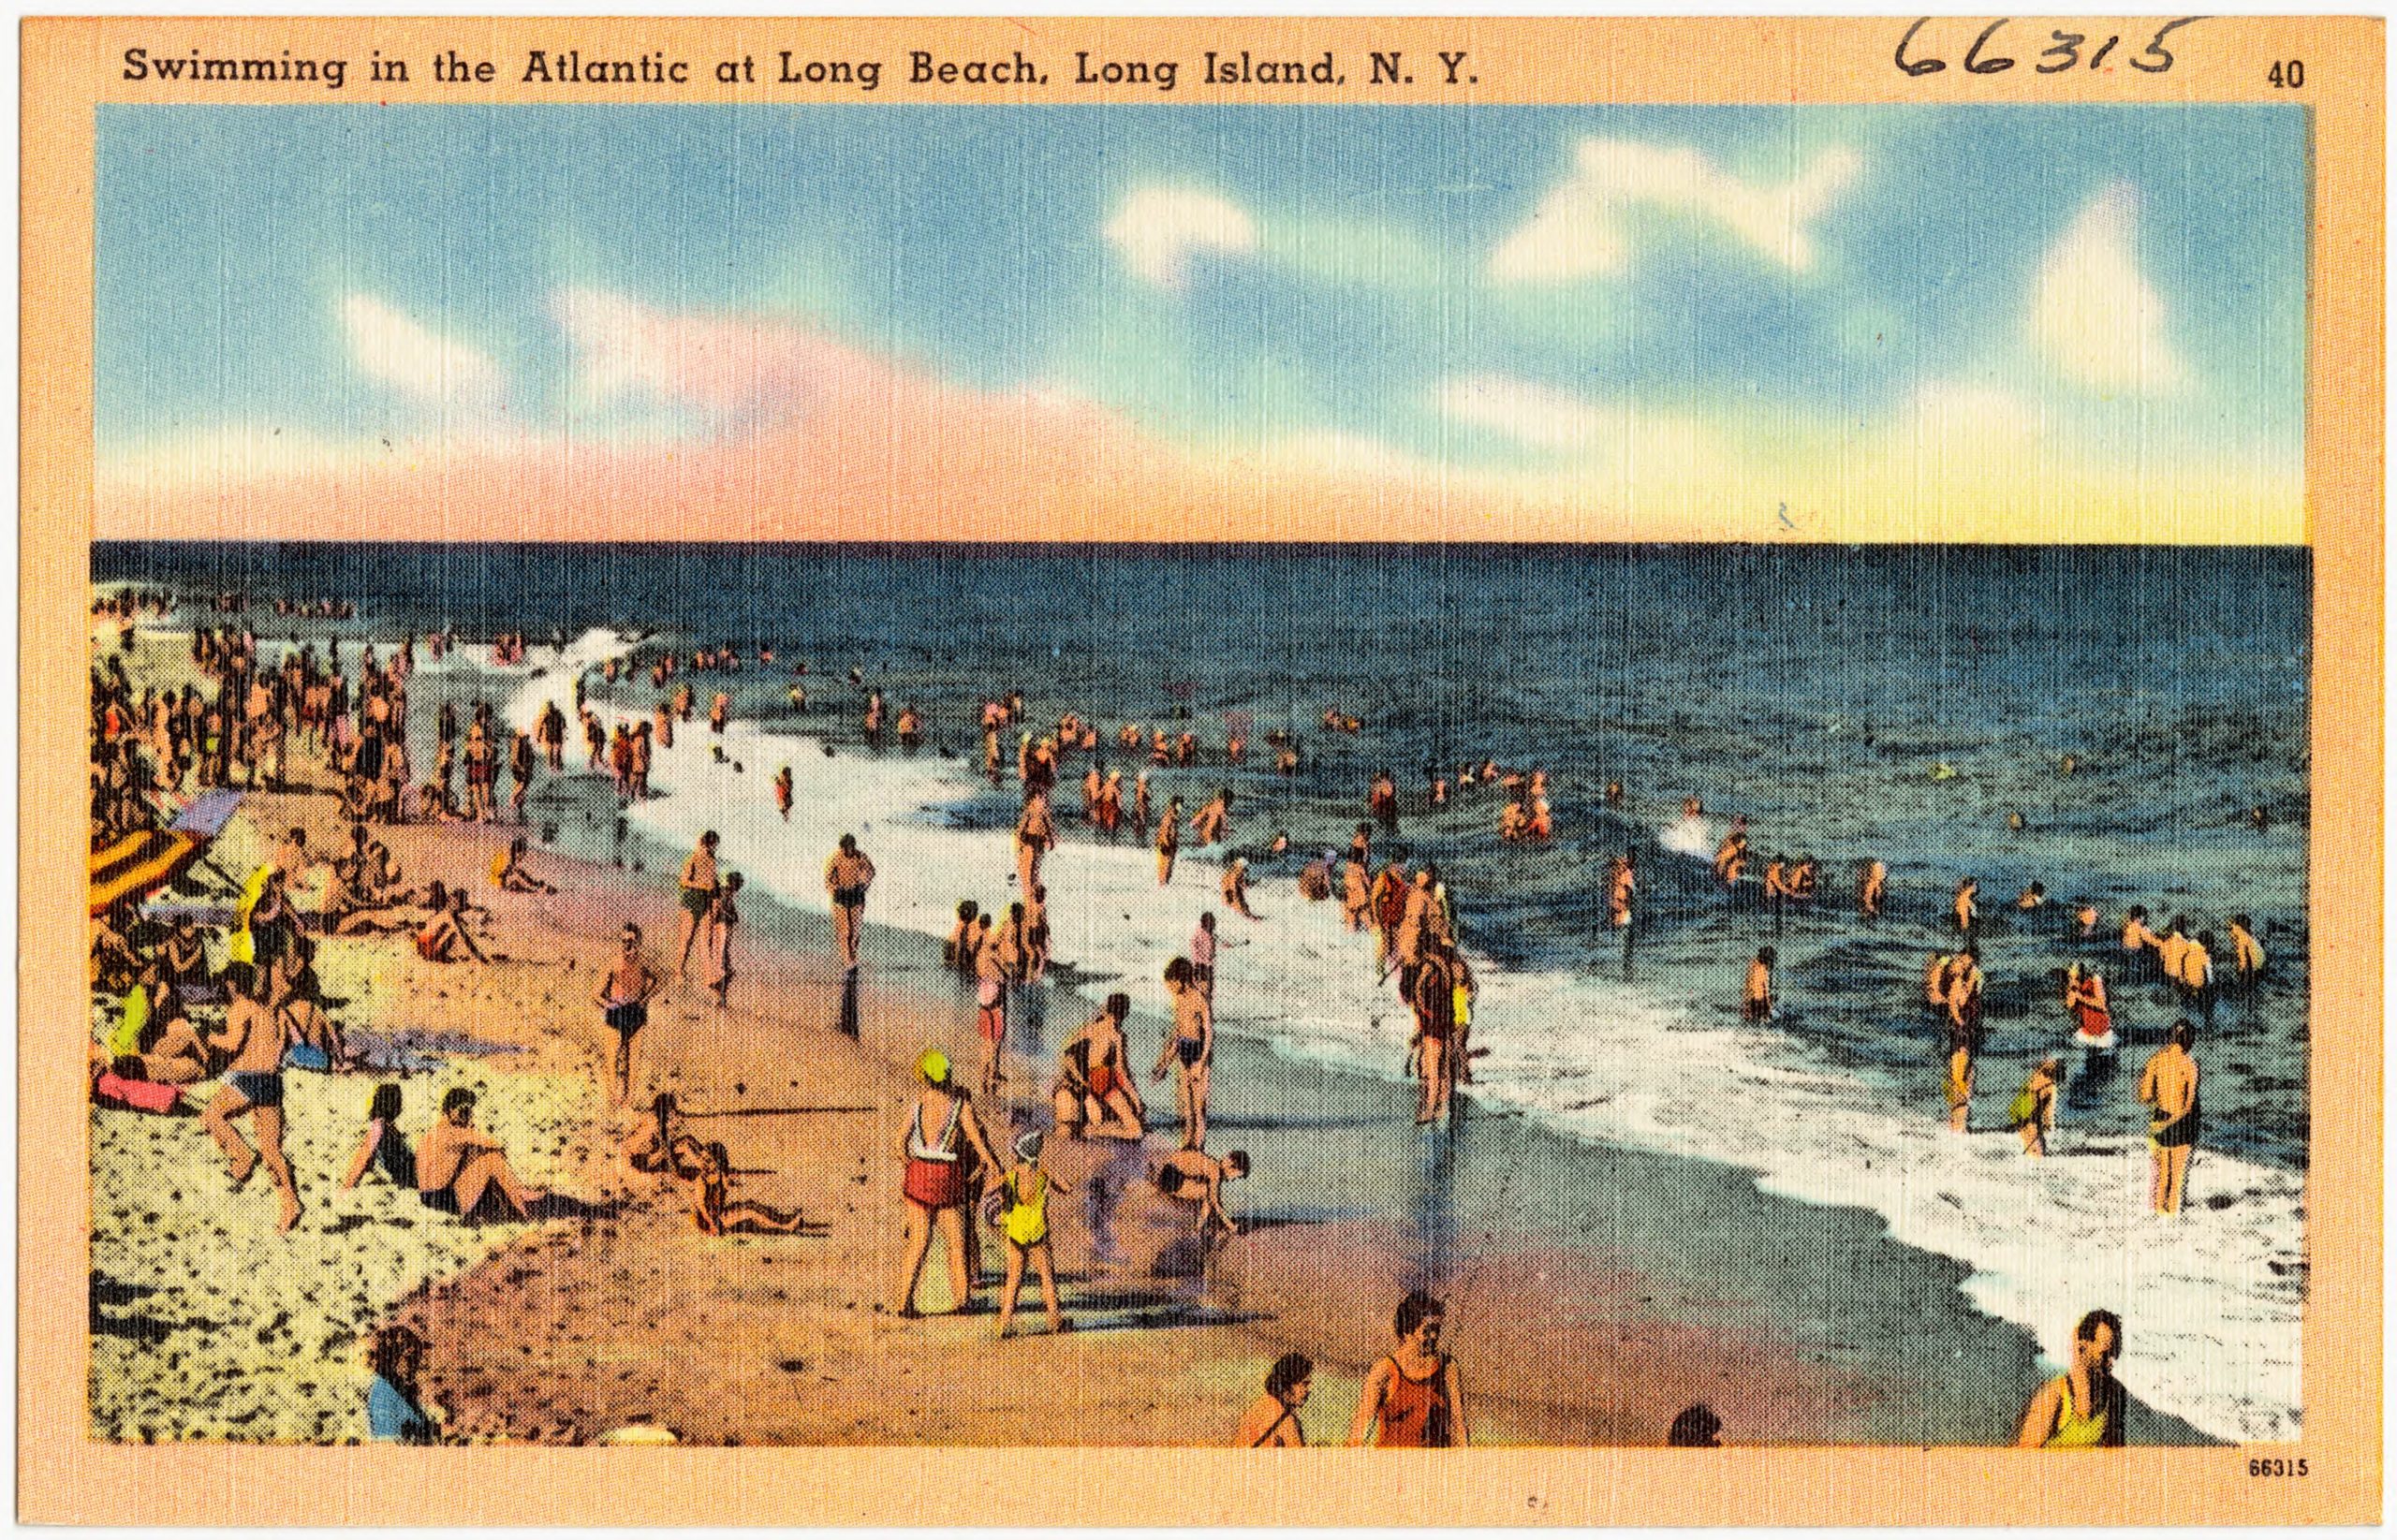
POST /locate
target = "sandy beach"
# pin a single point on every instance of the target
(208, 1326)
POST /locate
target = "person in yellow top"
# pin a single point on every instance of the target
(2082, 1407)
(1026, 1188)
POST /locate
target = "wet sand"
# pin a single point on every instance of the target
(627, 1316)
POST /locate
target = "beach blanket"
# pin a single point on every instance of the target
(113, 1089)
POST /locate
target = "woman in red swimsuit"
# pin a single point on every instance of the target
(1411, 1399)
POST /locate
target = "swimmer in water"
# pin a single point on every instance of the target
(1872, 887)
(1757, 1002)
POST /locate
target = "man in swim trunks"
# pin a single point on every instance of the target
(1191, 1046)
(458, 1166)
(1035, 832)
(696, 888)
(2082, 1407)
(251, 1042)
(1094, 1094)
(1196, 1177)
(847, 876)
(623, 994)
(2168, 1086)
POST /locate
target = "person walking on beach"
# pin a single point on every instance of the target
(1411, 1399)
(697, 887)
(723, 915)
(2082, 1407)
(941, 1133)
(993, 962)
(625, 992)
(847, 876)
(1271, 1421)
(2168, 1086)
(1191, 1046)
(458, 1166)
(252, 1045)
(1025, 1224)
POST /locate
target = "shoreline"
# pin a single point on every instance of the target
(1763, 1376)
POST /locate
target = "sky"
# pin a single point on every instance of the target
(1908, 322)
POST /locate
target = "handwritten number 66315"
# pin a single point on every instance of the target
(2154, 59)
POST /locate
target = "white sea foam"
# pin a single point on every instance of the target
(2213, 1327)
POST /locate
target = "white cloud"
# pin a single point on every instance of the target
(1156, 229)
(1545, 417)
(404, 354)
(2094, 315)
(1577, 232)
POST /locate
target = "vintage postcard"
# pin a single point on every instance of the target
(1258, 771)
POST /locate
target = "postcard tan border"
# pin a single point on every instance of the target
(68, 68)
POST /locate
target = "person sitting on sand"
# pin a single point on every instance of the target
(1272, 1420)
(711, 1178)
(2033, 1112)
(382, 1146)
(941, 1133)
(1411, 1398)
(1196, 1177)
(658, 1146)
(445, 933)
(1028, 1186)
(507, 872)
(311, 1039)
(461, 1170)
(1095, 1096)
(394, 1407)
(2082, 1407)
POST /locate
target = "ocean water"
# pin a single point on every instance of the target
(1811, 689)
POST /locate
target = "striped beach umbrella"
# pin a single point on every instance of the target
(146, 860)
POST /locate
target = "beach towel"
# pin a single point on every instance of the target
(113, 1089)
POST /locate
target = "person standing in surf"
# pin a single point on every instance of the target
(2169, 1087)
(1191, 1048)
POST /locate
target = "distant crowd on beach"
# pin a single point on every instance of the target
(226, 990)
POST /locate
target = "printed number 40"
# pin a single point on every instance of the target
(2289, 76)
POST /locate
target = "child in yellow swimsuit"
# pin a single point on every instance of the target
(1027, 1187)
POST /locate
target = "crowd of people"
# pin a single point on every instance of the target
(240, 721)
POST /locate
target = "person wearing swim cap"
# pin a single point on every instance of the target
(1024, 1221)
(941, 1133)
